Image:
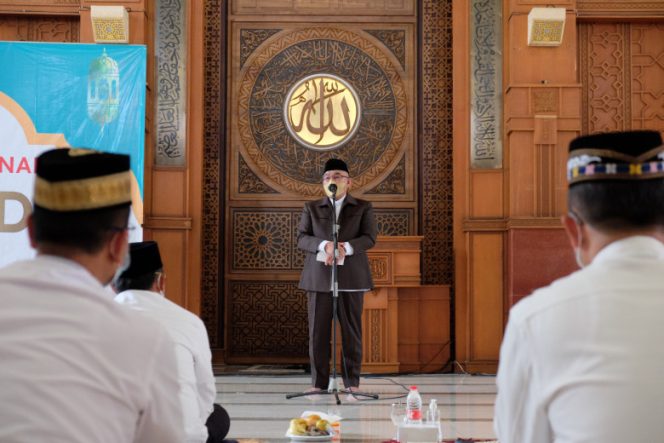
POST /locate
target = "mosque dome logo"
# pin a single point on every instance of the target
(103, 89)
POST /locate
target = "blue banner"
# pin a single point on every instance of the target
(57, 95)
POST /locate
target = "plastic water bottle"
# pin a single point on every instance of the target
(432, 414)
(433, 417)
(335, 425)
(414, 406)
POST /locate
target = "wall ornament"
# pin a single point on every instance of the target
(280, 118)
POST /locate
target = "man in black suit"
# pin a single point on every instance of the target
(357, 233)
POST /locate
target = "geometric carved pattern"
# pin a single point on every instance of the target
(281, 62)
(647, 67)
(616, 8)
(622, 65)
(261, 240)
(545, 100)
(395, 183)
(436, 146)
(251, 39)
(394, 221)
(267, 319)
(604, 55)
(265, 240)
(212, 301)
(297, 255)
(250, 183)
(394, 40)
(40, 28)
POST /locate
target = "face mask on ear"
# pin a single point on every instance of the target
(123, 267)
(577, 257)
(577, 249)
(160, 285)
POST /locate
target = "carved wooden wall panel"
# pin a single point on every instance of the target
(212, 217)
(265, 239)
(623, 66)
(269, 320)
(265, 186)
(380, 264)
(604, 49)
(327, 8)
(435, 163)
(647, 68)
(39, 28)
(394, 221)
(619, 8)
(380, 154)
(270, 174)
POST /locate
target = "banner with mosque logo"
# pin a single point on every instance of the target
(59, 95)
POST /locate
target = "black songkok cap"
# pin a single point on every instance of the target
(72, 180)
(145, 259)
(628, 155)
(335, 164)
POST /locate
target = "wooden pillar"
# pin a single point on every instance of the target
(542, 115)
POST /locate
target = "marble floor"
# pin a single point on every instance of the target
(260, 411)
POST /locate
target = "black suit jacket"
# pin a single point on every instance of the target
(356, 226)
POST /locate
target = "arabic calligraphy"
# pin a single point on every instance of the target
(322, 111)
(170, 51)
(271, 78)
(486, 85)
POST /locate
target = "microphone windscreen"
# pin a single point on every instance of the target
(332, 188)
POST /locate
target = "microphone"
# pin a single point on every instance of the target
(332, 188)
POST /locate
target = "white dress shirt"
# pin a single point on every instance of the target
(337, 210)
(75, 367)
(582, 360)
(347, 246)
(194, 360)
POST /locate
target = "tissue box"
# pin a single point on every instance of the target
(419, 433)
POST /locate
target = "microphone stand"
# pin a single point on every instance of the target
(333, 385)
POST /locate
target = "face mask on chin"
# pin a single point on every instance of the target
(341, 188)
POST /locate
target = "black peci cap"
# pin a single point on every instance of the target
(72, 179)
(335, 164)
(145, 259)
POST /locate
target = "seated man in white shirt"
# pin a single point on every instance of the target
(141, 287)
(74, 366)
(582, 359)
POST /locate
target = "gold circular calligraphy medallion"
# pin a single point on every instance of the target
(322, 111)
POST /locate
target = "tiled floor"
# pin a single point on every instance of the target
(260, 411)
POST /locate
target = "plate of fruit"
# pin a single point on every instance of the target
(309, 428)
